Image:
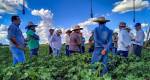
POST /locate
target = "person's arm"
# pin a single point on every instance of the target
(13, 40)
(109, 44)
(12, 35)
(78, 39)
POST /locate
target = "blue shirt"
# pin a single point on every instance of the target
(82, 41)
(102, 37)
(15, 32)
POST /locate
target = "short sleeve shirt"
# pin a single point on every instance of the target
(15, 32)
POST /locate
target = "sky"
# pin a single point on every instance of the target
(65, 14)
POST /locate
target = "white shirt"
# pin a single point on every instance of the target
(123, 40)
(67, 39)
(56, 42)
(49, 38)
(139, 38)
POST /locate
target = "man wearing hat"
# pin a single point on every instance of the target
(56, 43)
(115, 40)
(91, 43)
(67, 39)
(51, 32)
(139, 40)
(32, 39)
(103, 41)
(124, 40)
(75, 40)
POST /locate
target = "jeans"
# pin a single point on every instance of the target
(114, 50)
(96, 57)
(56, 52)
(90, 50)
(82, 49)
(33, 52)
(67, 50)
(18, 55)
(123, 53)
(50, 50)
(137, 50)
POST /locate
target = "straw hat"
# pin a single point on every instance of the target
(68, 31)
(101, 20)
(59, 31)
(30, 24)
(77, 27)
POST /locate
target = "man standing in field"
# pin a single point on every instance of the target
(139, 40)
(124, 40)
(32, 39)
(56, 43)
(103, 41)
(91, 43)
(82, 43)
(67, 39)
(17, 41)
(75, 40)
(51, 32)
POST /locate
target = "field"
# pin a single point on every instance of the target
(75, 67)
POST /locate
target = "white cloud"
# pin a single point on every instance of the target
(127, 5)
(144, 25)
(11, 6)
(87, 23)
(45, 23)
(86, 32)
(3, 34)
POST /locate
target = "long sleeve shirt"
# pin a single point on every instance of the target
(103, 37)
(75, 42)
(124, 40)
(67, 39)
(139, 38)
(50, 38)
(56, 42)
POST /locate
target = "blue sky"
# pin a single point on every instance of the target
(67, 13)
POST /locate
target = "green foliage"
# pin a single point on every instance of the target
(75, 67)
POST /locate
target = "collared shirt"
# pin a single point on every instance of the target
(103, 37)
(56, 42)
(67, 39)
(15, 32)
(124, 40)
(139, 38)
(75, 42)
(33, 39)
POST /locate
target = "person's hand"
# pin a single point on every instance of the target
(103, 52)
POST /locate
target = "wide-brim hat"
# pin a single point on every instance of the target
(77, 27)
(101, 20)
(30, 24)
(59, 31)
(68, 31)
(51, 29)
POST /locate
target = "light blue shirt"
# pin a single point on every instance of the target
(83, 41)
(15, 32)
(103, 37)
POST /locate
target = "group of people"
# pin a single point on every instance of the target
(102, 41)
(74, 41)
